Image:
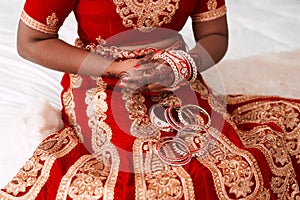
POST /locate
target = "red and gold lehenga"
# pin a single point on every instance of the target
(102, 153)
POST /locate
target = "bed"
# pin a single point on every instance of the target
(263, 58)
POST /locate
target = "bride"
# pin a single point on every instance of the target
(139, 121)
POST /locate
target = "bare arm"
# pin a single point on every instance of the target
(212, 39)
(51, 52)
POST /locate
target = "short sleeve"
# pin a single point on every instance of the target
(206, 10)
(46, 16)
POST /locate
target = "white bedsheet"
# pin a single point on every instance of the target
(256, 28)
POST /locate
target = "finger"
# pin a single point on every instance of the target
(155, 87)
(133, 82)
(136, 79)
(145, 67)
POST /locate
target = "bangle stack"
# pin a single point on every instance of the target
(182, 64)
(191, 122)
(167, 153)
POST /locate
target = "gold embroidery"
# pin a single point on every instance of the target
(69, 104)
(234, 171)
(88, 178)
(210, 15)
(100, 40)
(102, 133)
(153, 178)
(167, 98)
(97, 106)
(217, 103)
(212, 4)
(141, 126)
(146, 14)
(156, 180)
(284, 114)
(236, 99)
(163, 185)
(52, 20)
(32, 23)
(272, 144)
(199, 87)
(277, 146)
(26, 177)
(36, 171)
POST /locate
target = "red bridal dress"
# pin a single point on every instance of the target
(108, 148)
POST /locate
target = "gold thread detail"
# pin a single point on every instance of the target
(210, 15)
(235, 171)
(146, 14)
(102, 134)
(156, 180)
(32, 23)
(52, 20)
(36, 171)
(69, 104)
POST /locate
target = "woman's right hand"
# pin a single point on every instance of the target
(146, 74)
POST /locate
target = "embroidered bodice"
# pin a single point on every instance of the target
(101, 19)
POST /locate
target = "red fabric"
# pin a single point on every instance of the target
(201, 6)
(39, 10)
(99, 17)
(117, 118)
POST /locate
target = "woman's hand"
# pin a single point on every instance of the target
(148, 75)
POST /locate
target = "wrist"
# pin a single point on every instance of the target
(182, 64)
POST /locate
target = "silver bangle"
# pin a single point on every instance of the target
(189, 108)
(159, 121)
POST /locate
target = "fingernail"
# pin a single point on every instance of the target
(137, 66)
(124, 80)
(120, 85)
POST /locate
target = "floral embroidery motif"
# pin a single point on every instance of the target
(153, 178)
(102, 133)
(156, 180)
(94, 176)
(26, 177)
(163, 185)
(89, 176)
(277, 146)
(217, 103)
(146, 14)
(52, 20)
(235, 172)
(97, 106)
(272, 144)
(167, 98)
(200, 88)
(34, 174)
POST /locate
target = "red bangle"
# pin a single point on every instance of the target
(172, 142)
(170, 119)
